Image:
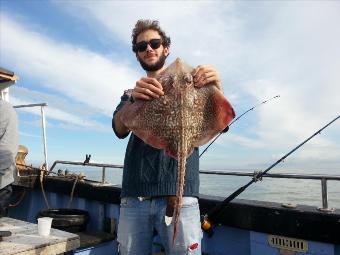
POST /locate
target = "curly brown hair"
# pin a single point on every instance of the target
(146, 24)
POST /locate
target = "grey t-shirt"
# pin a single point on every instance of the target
(8, 143)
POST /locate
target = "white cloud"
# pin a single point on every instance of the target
(243, 141)
(57, 114)
(79, 74)
(200, 31)
(29, 135)
(301, 63)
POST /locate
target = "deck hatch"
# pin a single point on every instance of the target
(287, 243)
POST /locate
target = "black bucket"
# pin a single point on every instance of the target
(70, 220)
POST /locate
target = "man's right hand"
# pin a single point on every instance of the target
(147, 89)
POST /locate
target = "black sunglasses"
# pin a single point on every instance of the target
(154, 43)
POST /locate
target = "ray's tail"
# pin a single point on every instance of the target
(180, 183)
(179, 195)
(182, 150)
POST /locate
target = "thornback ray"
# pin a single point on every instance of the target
(183, 118)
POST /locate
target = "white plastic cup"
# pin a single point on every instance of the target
(44, 226)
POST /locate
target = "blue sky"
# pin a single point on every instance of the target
(76, 56)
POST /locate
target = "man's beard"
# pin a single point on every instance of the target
(153, 67)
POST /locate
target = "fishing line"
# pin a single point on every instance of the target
(227, 128)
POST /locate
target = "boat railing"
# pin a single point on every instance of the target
(322, 178)
(78, 163)
(43, 125)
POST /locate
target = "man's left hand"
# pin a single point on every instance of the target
(205, 74)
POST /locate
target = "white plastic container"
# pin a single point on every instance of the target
(44, 226)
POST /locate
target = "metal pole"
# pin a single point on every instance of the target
(103, 175)
(324, 193)
(44, 135)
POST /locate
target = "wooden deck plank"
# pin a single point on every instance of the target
(25, 239)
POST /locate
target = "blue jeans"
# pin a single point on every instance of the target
(138, 219)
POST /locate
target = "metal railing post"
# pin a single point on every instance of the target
(103, 175)
(43, 123)
(324, 195)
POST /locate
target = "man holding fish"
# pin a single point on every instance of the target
(150, 177)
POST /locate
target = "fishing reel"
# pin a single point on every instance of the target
(207, 225)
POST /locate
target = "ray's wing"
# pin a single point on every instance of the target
(216, 114)
(153, 121)
(140, 118)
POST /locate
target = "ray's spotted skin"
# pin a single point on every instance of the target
(186, 116)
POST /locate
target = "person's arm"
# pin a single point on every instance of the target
(9, 134)
(117, 125)
(206, 74)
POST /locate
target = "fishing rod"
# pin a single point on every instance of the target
(227, 128)
(207, 219)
